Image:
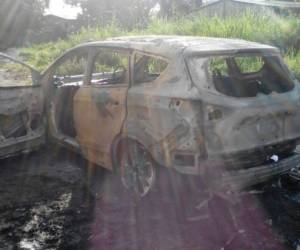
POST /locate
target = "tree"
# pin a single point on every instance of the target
(17, 17)
(128, 13)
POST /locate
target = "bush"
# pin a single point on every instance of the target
(283, 32)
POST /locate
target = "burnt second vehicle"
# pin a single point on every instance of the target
(227, 110)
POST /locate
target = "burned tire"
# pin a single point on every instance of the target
(136, 167)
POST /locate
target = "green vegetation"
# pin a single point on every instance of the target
(292, 58)
(283, 32)
(73, 66)
(218, 66)
(249, 64)
(14, 74)
(246, 64)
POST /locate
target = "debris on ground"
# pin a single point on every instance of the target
(52, 200)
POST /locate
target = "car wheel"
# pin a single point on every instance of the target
(137, 168)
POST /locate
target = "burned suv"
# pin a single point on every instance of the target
(224, 109)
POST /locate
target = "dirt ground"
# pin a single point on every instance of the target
(53, 199)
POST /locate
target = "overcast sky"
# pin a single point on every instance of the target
(59, 8)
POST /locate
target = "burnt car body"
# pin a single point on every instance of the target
(219, 108)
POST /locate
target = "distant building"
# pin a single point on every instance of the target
(227, 8)
(52, 28)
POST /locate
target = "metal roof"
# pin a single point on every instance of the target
(171, 46)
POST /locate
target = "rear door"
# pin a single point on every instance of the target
(100, 104)
(21, 107)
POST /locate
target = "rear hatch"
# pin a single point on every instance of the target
(251, 106)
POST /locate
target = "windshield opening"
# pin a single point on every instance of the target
(247, 75)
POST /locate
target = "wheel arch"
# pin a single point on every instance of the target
(142, 138)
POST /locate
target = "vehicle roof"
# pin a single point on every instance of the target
(172, 46)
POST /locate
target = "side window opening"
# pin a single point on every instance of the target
(110, 67)
(14, 74)
(248, 76)
(147, 68)
(71, 71)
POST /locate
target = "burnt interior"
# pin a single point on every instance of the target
(67, 77)
(19, 124)
(64, 109)
(263, 76)
(13, 125)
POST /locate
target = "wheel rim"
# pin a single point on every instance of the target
(137, 170)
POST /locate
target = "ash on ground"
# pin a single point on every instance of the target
(53, 199)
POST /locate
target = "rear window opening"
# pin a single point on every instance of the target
(249, 75)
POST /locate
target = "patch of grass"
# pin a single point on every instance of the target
(292, 59)
(283, 32)
(41, 55)
(15, 74)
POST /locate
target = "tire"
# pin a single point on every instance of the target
(136, 167)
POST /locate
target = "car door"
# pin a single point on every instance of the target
(21, 107)
(66, 76)
(100, 104)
